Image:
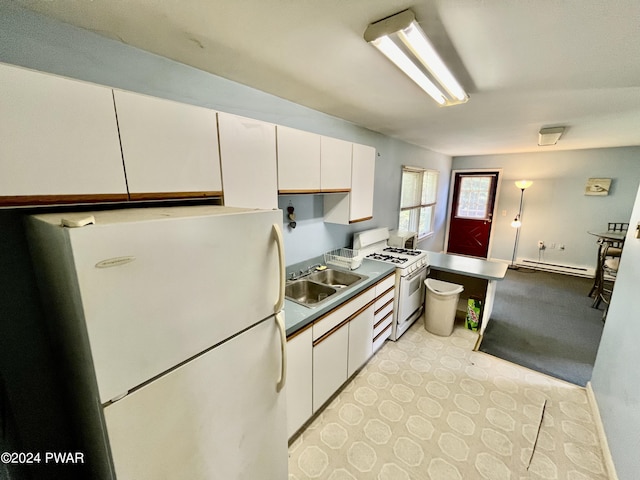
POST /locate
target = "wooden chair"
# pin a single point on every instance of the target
(607, 272)
(617, 227)
(612, 249)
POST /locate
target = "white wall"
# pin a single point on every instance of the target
(556, 210)
(616, 373)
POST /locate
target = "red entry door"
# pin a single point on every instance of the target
(474, 195)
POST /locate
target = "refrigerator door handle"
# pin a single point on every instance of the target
(283, 350)
(277, 231)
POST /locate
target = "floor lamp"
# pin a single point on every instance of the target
(517, 222)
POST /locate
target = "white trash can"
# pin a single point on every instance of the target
(440, 304)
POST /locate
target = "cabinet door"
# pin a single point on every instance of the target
(335, 172)
(298, 161)
(59, 137)
(329, 365)
(357, 205)
(248, 161)
(299, 381)
(360, 340)
(362, 176)
(168, 147)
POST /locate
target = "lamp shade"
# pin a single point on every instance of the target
(523, 184)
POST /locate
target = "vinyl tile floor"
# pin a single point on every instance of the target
(429, 407)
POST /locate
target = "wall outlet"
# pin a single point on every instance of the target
(552, 246)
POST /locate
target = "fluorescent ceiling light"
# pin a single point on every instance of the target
(549, 136)
(401, 40)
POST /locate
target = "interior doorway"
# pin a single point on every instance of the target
(472, 209)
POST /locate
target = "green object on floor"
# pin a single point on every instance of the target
(474, 309)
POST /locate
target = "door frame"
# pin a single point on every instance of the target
(495, 203)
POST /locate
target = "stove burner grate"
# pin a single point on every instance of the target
(402, 251)
(386, 258)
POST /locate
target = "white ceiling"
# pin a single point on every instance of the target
(525, 64)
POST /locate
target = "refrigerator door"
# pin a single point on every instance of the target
(154, 293)
(216, 417)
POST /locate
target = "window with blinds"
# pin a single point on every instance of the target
(418, 200)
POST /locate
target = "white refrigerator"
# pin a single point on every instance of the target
(170, 330)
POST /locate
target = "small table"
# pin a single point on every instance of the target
(478, 277)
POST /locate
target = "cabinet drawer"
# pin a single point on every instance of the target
(379, 340)
(385, 299)
(385, 284)
(381, 324)
(336, 316)
(383, 312)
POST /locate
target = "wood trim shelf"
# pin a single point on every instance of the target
(42, 200)
(382, 333)
(298, 332)
(173, 195)
(312, 191)
(383, 320)
(384, 306)
(360, 220)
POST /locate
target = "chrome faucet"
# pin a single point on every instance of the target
(312, 267)
(303, 273)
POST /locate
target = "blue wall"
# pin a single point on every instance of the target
(555, 209)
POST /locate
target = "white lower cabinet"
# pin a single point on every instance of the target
(383, 311)
(299, 380)
(329, 365)
(360, 340)
(322, 358)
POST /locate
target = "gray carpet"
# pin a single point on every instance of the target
(544, 321)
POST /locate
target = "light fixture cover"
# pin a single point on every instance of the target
(523, 184)
(401, 40)
(549, 136)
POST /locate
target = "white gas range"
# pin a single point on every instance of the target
(411, 272)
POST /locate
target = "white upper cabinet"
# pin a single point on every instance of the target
(362, 180)
(357, 206)
(248, 161)
(312, 163)
(335, 172)
(298, 161)
(168, 147)
(58, 137)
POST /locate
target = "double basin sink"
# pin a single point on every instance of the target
(320, 286)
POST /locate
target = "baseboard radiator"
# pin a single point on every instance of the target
(555, 267)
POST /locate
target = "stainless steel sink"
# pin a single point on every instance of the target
(308, 293)
(319, 286)
(336, 278)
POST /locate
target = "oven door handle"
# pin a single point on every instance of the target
(418, 272)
